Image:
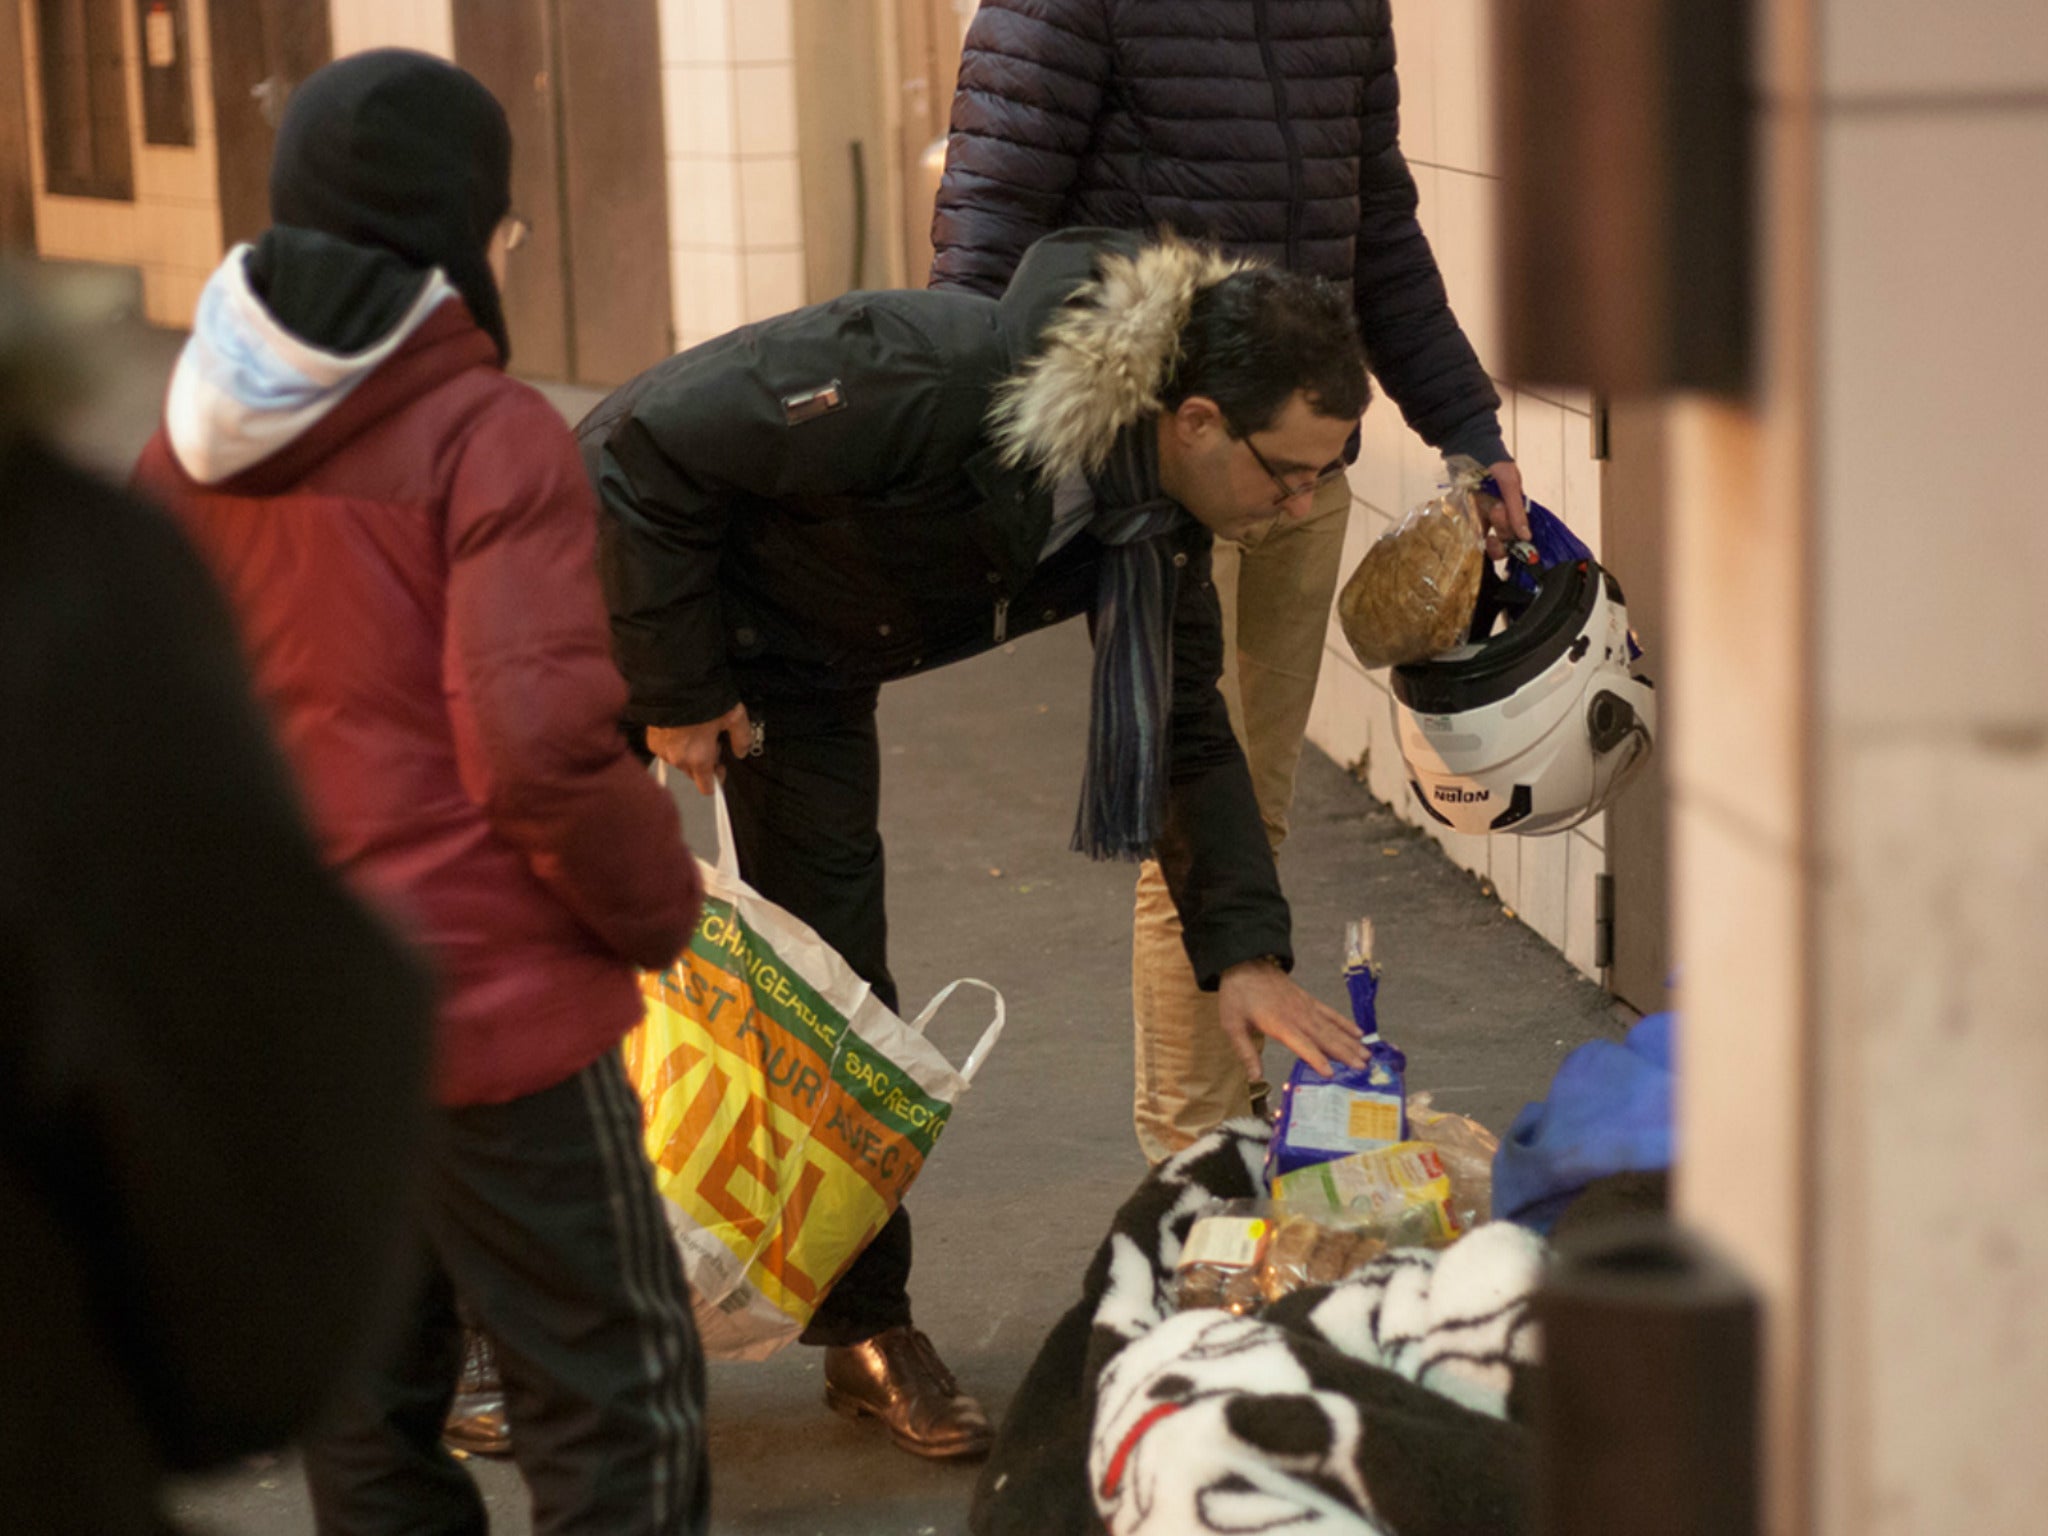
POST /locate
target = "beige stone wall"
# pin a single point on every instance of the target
(1931, 767)
(1447, 131)
(1861, 786)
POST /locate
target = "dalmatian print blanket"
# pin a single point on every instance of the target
(1387, 1405)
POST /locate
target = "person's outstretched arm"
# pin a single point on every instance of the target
(1218, 864)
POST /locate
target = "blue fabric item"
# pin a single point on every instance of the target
(237, 355)
(1554, 543)
(1609, 1111)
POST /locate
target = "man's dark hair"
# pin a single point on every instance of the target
(1258, 336)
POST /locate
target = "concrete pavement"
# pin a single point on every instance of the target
(982, 764)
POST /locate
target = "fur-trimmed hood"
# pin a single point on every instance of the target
(1107, 314)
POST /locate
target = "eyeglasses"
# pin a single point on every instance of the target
(1332, 471)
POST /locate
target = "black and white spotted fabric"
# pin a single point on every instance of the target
(1378, 1406)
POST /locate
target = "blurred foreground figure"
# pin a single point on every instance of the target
(408, 541)
(213, 1061)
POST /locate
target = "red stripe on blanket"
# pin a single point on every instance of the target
(1113, 1478)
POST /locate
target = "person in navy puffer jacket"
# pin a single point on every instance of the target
(1270, 127)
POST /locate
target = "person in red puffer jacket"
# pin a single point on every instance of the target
(407, 540)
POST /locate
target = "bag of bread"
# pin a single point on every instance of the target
(1467, 1149)
(1219, 1262)
(1304, 1252)
(1413, 594)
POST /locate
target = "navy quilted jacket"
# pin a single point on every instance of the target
(1270, 126)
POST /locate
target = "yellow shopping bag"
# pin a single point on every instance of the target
(787, 1110)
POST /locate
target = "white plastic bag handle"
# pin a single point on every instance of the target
(989, 1036)
(728, 861)
(728, 867)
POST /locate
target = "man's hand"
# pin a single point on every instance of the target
(694, 748)
(1257, 995)
(1508, 517)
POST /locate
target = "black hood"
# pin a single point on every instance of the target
(1051, 274)
(401, 152)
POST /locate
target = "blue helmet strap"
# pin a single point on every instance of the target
(1549, 544)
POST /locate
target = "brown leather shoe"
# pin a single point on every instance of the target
(898, 1378)
(477, 1425)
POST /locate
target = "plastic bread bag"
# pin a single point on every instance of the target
(1467, 1150)
(1354, 1108)
(1413, 594)
(1219, 1263)
(1304, 1251)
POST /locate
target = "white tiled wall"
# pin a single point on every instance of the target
(1447, 132)
(736, 220)
(171, 231)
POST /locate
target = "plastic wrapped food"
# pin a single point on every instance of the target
(1219, 1263)
(1354, 1108)
(1413, 594)
(1304, 1252)
(1400, 1194)
(1467, 1148)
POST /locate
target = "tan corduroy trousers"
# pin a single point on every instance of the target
(1276, 597)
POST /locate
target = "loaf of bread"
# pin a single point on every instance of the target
(1305, 1252)
(1413, 594)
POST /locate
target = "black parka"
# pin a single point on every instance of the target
(1269, 126)
(213, 1060)
(813, 506)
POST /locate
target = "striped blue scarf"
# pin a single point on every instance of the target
(1123, 788)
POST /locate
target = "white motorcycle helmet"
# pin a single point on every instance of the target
(1535, 728)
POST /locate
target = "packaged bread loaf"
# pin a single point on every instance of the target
(1219, 1262)
(1306, 1252)
(1413, 594)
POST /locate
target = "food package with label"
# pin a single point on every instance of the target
(1219, 1262)
(1467, 1148)
(1399, 1194)
(1304, 1251)
(1354, 1109)
(1413, 594)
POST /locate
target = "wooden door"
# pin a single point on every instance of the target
(614, 187)
(17, 179)
(1632, 545)
(588, 297)
(509, 46)
(928, 63)
(262, 49)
